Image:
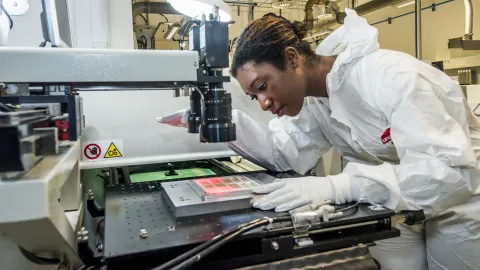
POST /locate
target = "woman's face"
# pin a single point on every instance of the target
(277, 91)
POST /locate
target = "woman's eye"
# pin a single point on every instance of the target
(262, 87)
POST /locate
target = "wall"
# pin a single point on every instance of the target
(241, 18)
(27, 29)
(120, 24)
(437, 27)
(87, 22)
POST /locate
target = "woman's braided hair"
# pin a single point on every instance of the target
(265, 40)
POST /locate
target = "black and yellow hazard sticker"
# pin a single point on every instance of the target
(112, 152)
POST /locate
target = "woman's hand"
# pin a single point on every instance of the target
(285, 195)
(177, 119)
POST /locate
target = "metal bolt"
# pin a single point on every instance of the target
(82, 238)
(90, 194)
(143, 233)
(82, 232)
(275, 246)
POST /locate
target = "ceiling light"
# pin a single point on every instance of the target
(172, 30)
(404, 4)
(195, 8)
(319, 34)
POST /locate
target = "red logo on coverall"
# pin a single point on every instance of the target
(386, 138)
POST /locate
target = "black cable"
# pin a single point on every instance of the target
(197, 249)
(348, 207)
(474, 110)
(37, 260)
(186, 264)
(343, 210)
(204, 111)
(6, 13)
(143, 17)
(89, 267)
(105, 180)
(5, 108)
(189, 262)
(164, 17)
(208, 247)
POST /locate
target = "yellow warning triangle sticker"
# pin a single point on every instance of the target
(112, 152)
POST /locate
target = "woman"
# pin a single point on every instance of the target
(411, 140)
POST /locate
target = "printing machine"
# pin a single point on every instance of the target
(125, 224)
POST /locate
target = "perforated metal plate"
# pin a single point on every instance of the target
(132, 207)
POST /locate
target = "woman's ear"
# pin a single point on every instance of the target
(292, 56)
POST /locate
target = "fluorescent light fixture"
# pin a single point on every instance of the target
(195, 8)
(319, 34)
(405, 4)
(172, 30)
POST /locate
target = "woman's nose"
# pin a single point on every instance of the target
(264, 101)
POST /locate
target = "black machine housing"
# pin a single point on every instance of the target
(210, 105)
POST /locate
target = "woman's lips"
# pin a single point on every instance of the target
(279, 111)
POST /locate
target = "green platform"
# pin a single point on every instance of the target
(160, 175)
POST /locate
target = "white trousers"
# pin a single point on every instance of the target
(450, 241)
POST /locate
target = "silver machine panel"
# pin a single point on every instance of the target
(96, 67)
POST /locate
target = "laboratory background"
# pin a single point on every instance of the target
(89, 178)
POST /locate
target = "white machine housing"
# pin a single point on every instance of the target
(34, 212)
(97, 67)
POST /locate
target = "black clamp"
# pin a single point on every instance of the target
(171, 170)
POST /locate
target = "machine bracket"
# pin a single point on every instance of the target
(277, 245)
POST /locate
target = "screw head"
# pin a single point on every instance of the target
(275, 246)
(143, 233)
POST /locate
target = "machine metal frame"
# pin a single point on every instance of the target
(98, 69)
(39, 224)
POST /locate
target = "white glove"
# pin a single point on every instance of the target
(177, 119)
(292, 193)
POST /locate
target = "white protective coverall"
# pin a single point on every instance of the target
(409, 134)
